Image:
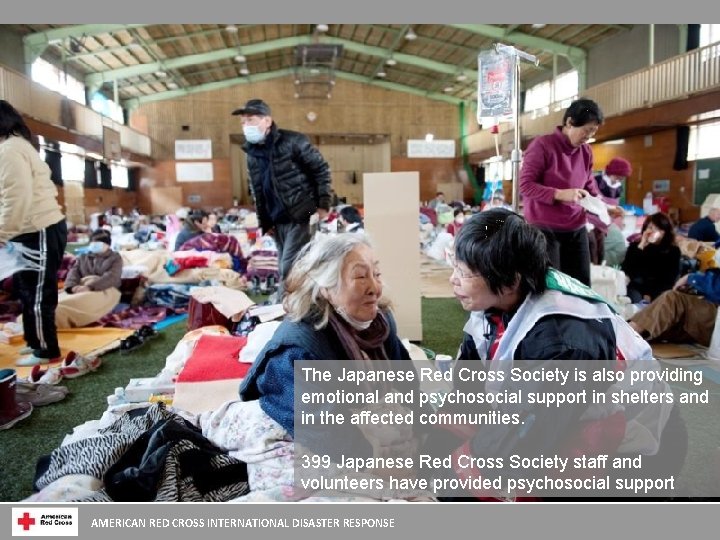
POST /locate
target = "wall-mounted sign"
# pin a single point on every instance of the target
(194, 199)
(194, 172)
(661, 186)
(420, 148)
(193, 149)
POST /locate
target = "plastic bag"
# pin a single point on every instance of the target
(16, 257)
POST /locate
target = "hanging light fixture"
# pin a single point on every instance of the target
(381, 74)
(244, 71)
(410, 35)
(231, 28)
(240, 59)
(460, 78)
(391, 61)
(322, 27)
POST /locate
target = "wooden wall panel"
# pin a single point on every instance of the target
(434, 172)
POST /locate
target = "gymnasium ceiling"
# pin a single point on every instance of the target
(161, 61)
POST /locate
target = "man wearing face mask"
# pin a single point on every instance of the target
(289, 180)
(92, 287)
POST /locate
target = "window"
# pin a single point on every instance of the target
(566, 88)
(559, 92)
(538, 97)
(72, 162)
(709, 33)
(107, 107)
(703, 140)
(45, 73)
(119, 175)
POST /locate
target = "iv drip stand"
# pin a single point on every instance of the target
(516, 154)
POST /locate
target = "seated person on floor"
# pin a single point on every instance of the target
(652, 264)
(686, 313)
(194, 225)
(92, 286)
(335, 311)
(524, 313)
(704, 228)
(212, 225)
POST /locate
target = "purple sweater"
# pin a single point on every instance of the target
(549, 163)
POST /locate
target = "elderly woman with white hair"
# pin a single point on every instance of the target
(335, 311)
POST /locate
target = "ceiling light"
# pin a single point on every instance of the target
(297, 81)
(322, 28)
(381, 74)
(462, 77)
(160, 74)
(240, 58)
(172, 85)
(244, 71)
(448, 89)
(539, 25)
(231, 28)
(391, 61)
(411, 35)
(314, 71)
(429, 137)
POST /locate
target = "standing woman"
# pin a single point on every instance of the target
(30, 215)
(556, 174)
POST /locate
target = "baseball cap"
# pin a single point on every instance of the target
(254, 107)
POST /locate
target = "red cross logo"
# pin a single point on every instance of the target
(26, 521)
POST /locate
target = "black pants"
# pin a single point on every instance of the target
(290, 238)
(38, 291)
(569, 252)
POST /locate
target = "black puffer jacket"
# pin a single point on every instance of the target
(300, 177)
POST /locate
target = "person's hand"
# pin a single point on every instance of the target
(570, 195)
(615, 211)
(80, 288)
(681, 283)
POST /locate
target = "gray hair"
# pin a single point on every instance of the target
(317, 270)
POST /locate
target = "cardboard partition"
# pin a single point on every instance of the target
(392, 202)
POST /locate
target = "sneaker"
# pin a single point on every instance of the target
(75, 365)
(26, 350)
(40, 394)
(45, 376)
(33, 360)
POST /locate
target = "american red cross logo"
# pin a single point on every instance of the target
(26, 521)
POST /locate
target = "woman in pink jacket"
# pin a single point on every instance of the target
(556, 174)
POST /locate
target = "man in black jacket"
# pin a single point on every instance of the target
(289, 180)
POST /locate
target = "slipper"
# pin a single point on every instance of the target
(146, 332)
(130, 343)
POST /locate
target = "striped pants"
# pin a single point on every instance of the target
(38, 291)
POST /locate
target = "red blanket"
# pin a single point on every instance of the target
(215, 358)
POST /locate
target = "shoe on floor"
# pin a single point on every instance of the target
(76, 365)
(45, 376)
(27, 349)
(11, 410)
(33, 360)
(39, 394)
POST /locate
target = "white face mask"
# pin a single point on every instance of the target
(460, 219)
(253, 134)
(357, 325)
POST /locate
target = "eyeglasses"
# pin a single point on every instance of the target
(457, 271)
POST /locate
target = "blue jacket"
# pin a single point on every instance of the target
(707, 283)
(271, 378)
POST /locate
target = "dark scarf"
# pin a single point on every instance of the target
(362, 344)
